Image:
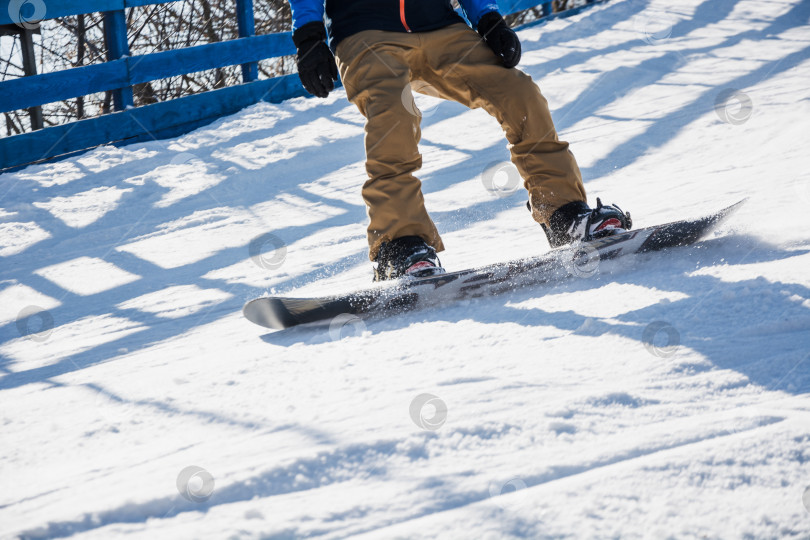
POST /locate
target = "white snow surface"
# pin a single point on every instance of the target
(124, 357)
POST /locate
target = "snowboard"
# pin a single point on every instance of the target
(581, 259)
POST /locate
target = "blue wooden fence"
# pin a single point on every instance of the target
(122, 71)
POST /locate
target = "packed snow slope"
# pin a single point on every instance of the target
(662, 398)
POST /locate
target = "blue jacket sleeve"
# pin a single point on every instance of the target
(475, 9)
(306, 11)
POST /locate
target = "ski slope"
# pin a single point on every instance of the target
(664, 398)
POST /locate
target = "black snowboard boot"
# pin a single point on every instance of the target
(406, 256)
(576, 221)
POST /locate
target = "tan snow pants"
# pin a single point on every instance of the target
(377, 69)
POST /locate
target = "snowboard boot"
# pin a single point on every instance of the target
(406, 256)
(576, 221)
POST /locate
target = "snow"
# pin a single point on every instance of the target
(662, 398)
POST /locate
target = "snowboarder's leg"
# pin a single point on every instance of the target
(374, 67)
(463, 68)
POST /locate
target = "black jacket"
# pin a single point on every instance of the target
(347, 17)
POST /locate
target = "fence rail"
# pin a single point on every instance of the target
(121, 71)
(27, 92)
(66, 8)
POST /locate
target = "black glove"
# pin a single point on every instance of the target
(316, 63)
(500, 38)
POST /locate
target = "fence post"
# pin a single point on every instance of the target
(30, 68)
(548, 8)
(29, 62)
(247, 28)
(115, 38)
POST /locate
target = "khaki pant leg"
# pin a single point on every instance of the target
(463, 68)
(374, 67)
